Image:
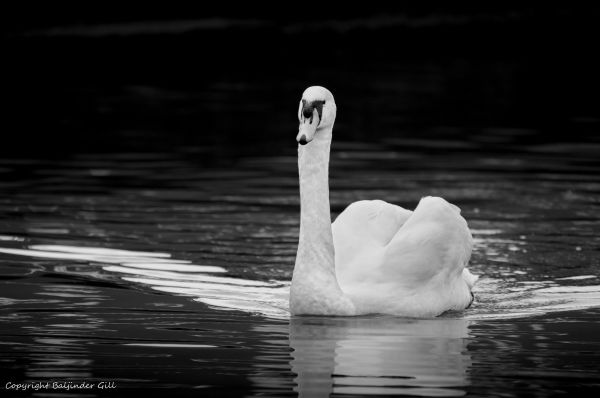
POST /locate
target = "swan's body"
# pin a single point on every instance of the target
(376, 258)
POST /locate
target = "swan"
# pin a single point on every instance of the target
(376, 258)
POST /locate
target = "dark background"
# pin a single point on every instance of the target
(227, 77)
(131, 128)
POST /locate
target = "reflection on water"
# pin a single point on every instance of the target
(162, 273)
(379, 356)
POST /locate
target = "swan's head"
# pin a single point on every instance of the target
(316, 112)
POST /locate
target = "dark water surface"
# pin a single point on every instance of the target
(152, 270)
(149, 211)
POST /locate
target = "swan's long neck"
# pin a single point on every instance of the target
(315, 289)
(315, 217)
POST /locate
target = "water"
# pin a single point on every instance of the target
(153, 270)
(149, 211)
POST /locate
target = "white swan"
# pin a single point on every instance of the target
(376, 258)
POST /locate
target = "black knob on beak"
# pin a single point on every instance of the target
(302, 140)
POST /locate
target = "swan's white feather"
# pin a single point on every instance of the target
(391, 260)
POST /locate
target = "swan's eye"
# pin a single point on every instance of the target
(309, 107)
(307, 111)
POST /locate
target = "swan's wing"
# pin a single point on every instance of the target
(434, 244)
(373, 221)
(413, 263)
(362, 229)
(420, 270)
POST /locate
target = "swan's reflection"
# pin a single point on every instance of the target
(379, 355)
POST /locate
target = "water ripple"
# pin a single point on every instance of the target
(506, 293)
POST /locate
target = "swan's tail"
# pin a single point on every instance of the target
(469, 278)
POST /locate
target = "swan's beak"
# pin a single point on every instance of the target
(305, 134)
(308, 127)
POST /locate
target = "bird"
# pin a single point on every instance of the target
(376, 257)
